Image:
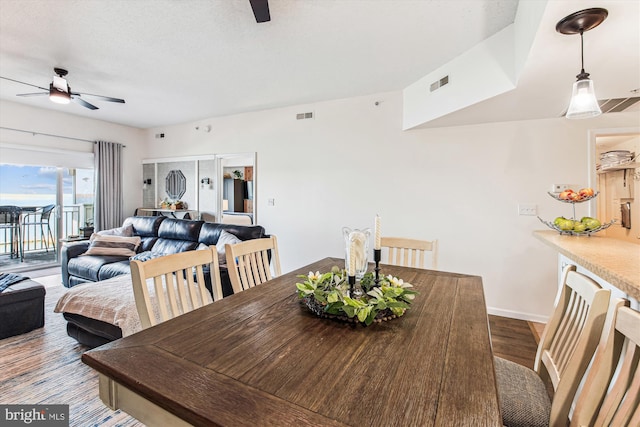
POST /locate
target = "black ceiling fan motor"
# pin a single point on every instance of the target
(61, 72)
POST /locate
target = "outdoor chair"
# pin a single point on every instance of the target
(10, 221)
(40, 217)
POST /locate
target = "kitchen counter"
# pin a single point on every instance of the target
(616, 261)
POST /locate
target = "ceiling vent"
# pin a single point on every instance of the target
(615, 105)
(439, 83)
(302, 116)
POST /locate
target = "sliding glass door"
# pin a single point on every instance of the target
(55, 202)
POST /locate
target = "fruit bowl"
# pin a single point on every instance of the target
(576, 233)
(583, 199)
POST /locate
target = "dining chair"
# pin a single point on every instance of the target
(410, 252)
(248, 262)
(566, 347)
(611, 392)
(40, 217)
(10, 220)
(175, 290)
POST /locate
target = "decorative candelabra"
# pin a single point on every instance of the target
(352, 285)
(376, 258)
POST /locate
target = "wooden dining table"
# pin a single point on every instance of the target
(260, 357)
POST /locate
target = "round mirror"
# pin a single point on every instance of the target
(176, 184)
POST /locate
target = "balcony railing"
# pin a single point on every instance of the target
(36, 238)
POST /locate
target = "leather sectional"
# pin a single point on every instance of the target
(158, 234)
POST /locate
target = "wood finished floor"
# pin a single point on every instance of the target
(44, 367)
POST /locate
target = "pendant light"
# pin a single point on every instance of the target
(584, 103)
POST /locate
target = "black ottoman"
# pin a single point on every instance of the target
(21, 308)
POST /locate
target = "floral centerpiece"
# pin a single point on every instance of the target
(328, 295)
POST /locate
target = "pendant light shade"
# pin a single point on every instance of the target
(584, 103)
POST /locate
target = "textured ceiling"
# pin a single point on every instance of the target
(180, 61)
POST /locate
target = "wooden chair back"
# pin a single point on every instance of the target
(175, 291)
(570, 338)
(611, 392)
(410, 252)
(248, 262)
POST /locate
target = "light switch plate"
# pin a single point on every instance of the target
(527, 209)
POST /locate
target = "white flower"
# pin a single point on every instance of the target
(314, 276)
(398, 283)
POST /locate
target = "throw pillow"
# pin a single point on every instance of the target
(225, 238)
(146, 256)
(121, 231)
(112, 245)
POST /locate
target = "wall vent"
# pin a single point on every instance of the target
(303, 116)
(439, 83)
(614, 105)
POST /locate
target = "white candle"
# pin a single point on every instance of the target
(377, 233)
(352, 258)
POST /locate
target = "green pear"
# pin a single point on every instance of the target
(579, 227)
(592, 224)
(566, 225)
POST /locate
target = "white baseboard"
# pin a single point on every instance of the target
(517, 315)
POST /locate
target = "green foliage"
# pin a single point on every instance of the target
(331, 291)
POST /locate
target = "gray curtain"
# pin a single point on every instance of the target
(108, 179)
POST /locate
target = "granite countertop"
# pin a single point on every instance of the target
(616, 261)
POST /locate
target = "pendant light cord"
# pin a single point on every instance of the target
(582, 50)
(582, 75)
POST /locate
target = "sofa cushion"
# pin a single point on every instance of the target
(225, 239)
(114, 269)
(112, 245)
(210, 232)
(88, 267)
(145, 226)
(146, 256)
(179, 229)
(169, 246)
(126, 231)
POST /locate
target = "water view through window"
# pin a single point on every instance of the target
(34, 187)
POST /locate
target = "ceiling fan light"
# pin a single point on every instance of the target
(583, 101)
(58, 96)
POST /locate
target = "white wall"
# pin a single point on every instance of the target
(19, 116)
(460, 185)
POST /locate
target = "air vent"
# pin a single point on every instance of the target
(439, 83)
(614, 105)
(617, 105)
(303, 116)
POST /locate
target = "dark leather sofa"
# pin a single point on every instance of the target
(157, 234)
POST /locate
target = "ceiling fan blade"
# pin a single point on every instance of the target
(33, 94)
(261, 10)
(83, 103)
(28, 84)
(104, 98)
